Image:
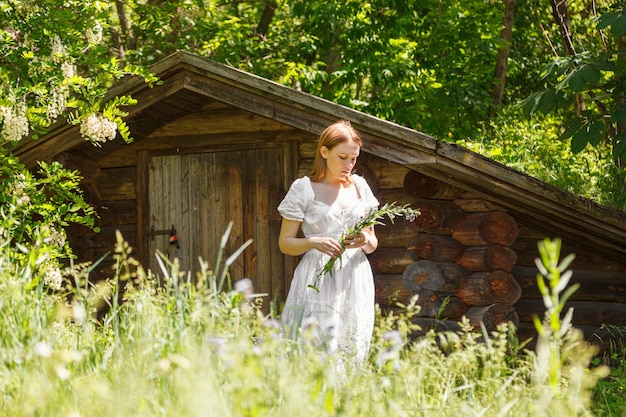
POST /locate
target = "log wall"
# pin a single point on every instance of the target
(468, 256)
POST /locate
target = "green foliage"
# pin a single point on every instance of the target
(557, 338)
(426, 65)
(55, 65)
(589, 81)
(39, 206)
(536, 148)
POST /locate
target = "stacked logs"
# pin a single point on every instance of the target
(458, 259)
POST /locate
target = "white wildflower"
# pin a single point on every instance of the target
(63, 373)
(43, 350)
(53, 278)
(79, 312)
(98, 128)
(14, 122)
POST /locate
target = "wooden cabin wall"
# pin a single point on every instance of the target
(463, 256)
(466, 256)
(109, 186)
(114, 183)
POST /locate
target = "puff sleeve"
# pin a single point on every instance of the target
(367, 196)
(294, 205)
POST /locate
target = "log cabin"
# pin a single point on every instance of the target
(214, 144)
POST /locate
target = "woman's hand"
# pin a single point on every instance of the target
(355, 241)
(327, 246)
(366, 240)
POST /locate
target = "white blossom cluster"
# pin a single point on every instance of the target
(98, 128)
(56, 238)
(53, 278)
(14, 123)
(69, 69)
(18, 189)
(58, 49)
(94, 35)
(57, 101)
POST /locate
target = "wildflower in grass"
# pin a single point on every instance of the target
(79, 313)
(43, 350)
(63, 373)
(53, 278)
(392, 343)
(245, 288)
(372, 218)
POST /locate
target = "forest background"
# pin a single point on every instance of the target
(534, 84)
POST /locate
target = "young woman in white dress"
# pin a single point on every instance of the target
(323, 205)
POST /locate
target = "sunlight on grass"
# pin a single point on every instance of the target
(194, 346)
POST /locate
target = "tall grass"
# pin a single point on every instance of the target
(192, 347)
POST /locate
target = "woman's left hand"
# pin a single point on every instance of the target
(355, 241)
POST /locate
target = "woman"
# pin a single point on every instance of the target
(324, 204)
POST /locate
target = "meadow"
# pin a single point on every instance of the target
(181, 345)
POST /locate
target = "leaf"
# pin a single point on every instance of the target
(619, 149)
(583, 76)
(618, 27)
(571, 128)
(606, 20)
(579, 141)
(547, 101)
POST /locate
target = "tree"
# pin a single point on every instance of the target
(590, 80)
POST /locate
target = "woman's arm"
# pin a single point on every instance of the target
(290, 244)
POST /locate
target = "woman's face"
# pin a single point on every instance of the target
(340, 160)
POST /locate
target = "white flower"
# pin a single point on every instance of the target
(79, 313)
(14, 122)
(63, 373)
(58, 50)
(42, 349)
(69, 70)
(94, 35)
(98, 128)
(53, 278)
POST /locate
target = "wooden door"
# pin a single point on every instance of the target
(197, 195)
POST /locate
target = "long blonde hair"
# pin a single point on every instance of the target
(339, 132)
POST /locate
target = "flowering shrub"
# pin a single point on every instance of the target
(36, 208)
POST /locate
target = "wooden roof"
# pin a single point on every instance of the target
(192, 82)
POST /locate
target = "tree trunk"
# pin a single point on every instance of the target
(266, 18)
(503, 54)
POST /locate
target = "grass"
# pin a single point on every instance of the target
(193, 347)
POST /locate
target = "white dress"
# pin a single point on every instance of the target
(344, 306)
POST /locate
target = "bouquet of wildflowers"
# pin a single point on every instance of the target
(373, 217)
